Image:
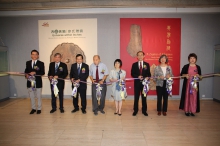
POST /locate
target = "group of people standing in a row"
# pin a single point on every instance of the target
(98, 73)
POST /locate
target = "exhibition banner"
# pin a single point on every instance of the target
(154, 36)
(68, 37)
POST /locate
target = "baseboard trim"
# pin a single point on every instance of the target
(216, 100)
(7, 98)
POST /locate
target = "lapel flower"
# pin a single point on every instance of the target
(145, 66)
(195, 70)
(60, 68)
(36, 68)
(168, 69)
(83, 70)
(103, 71)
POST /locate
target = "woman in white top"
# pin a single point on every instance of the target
(161, 73)
(114, 77)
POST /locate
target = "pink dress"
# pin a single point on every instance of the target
(191, 99)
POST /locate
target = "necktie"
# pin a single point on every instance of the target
(140, 68)
(97, 74)
(117, 84)
(56, 67)
(33, 64)
(119, 75)
(78, 69)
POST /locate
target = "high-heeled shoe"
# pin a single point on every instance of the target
(191, 114)
(119, 114)
(187, 114)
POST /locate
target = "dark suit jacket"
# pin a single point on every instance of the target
(183, 94)
(84, 73)
(62, 72)
(39, 71)
(135, 71)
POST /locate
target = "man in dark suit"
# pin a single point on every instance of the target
(57, 70)
(140, 70)
(79, 72)
(35, 67)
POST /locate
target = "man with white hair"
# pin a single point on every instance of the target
(98, 73)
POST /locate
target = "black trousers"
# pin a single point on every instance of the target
(54, 99)
(162, 93)
(138, 88)
(82, 92)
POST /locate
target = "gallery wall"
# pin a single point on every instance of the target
(199, 33)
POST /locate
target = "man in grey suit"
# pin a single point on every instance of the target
(98, 73)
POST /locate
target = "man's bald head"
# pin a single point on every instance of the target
(96, 59)
(96, 56)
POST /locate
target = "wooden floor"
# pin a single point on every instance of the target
(18, 128)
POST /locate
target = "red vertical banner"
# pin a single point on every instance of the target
(154, 36)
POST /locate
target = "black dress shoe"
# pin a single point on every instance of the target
(145, 114)
(103, 112)
(95, 113)
(61, 111)
(38, 111)
(191, 114)
(187, 114)
(52, 111)
(75, 110)
(134, 114)
(83, 111)
(32, 111)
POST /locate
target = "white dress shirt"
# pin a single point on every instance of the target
(141, 64)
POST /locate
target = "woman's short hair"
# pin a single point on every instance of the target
(119, 61)
(192, 55)
(165, 58)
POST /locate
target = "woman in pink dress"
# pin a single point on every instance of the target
(190, 96)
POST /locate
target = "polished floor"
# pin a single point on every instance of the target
(18, 128)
